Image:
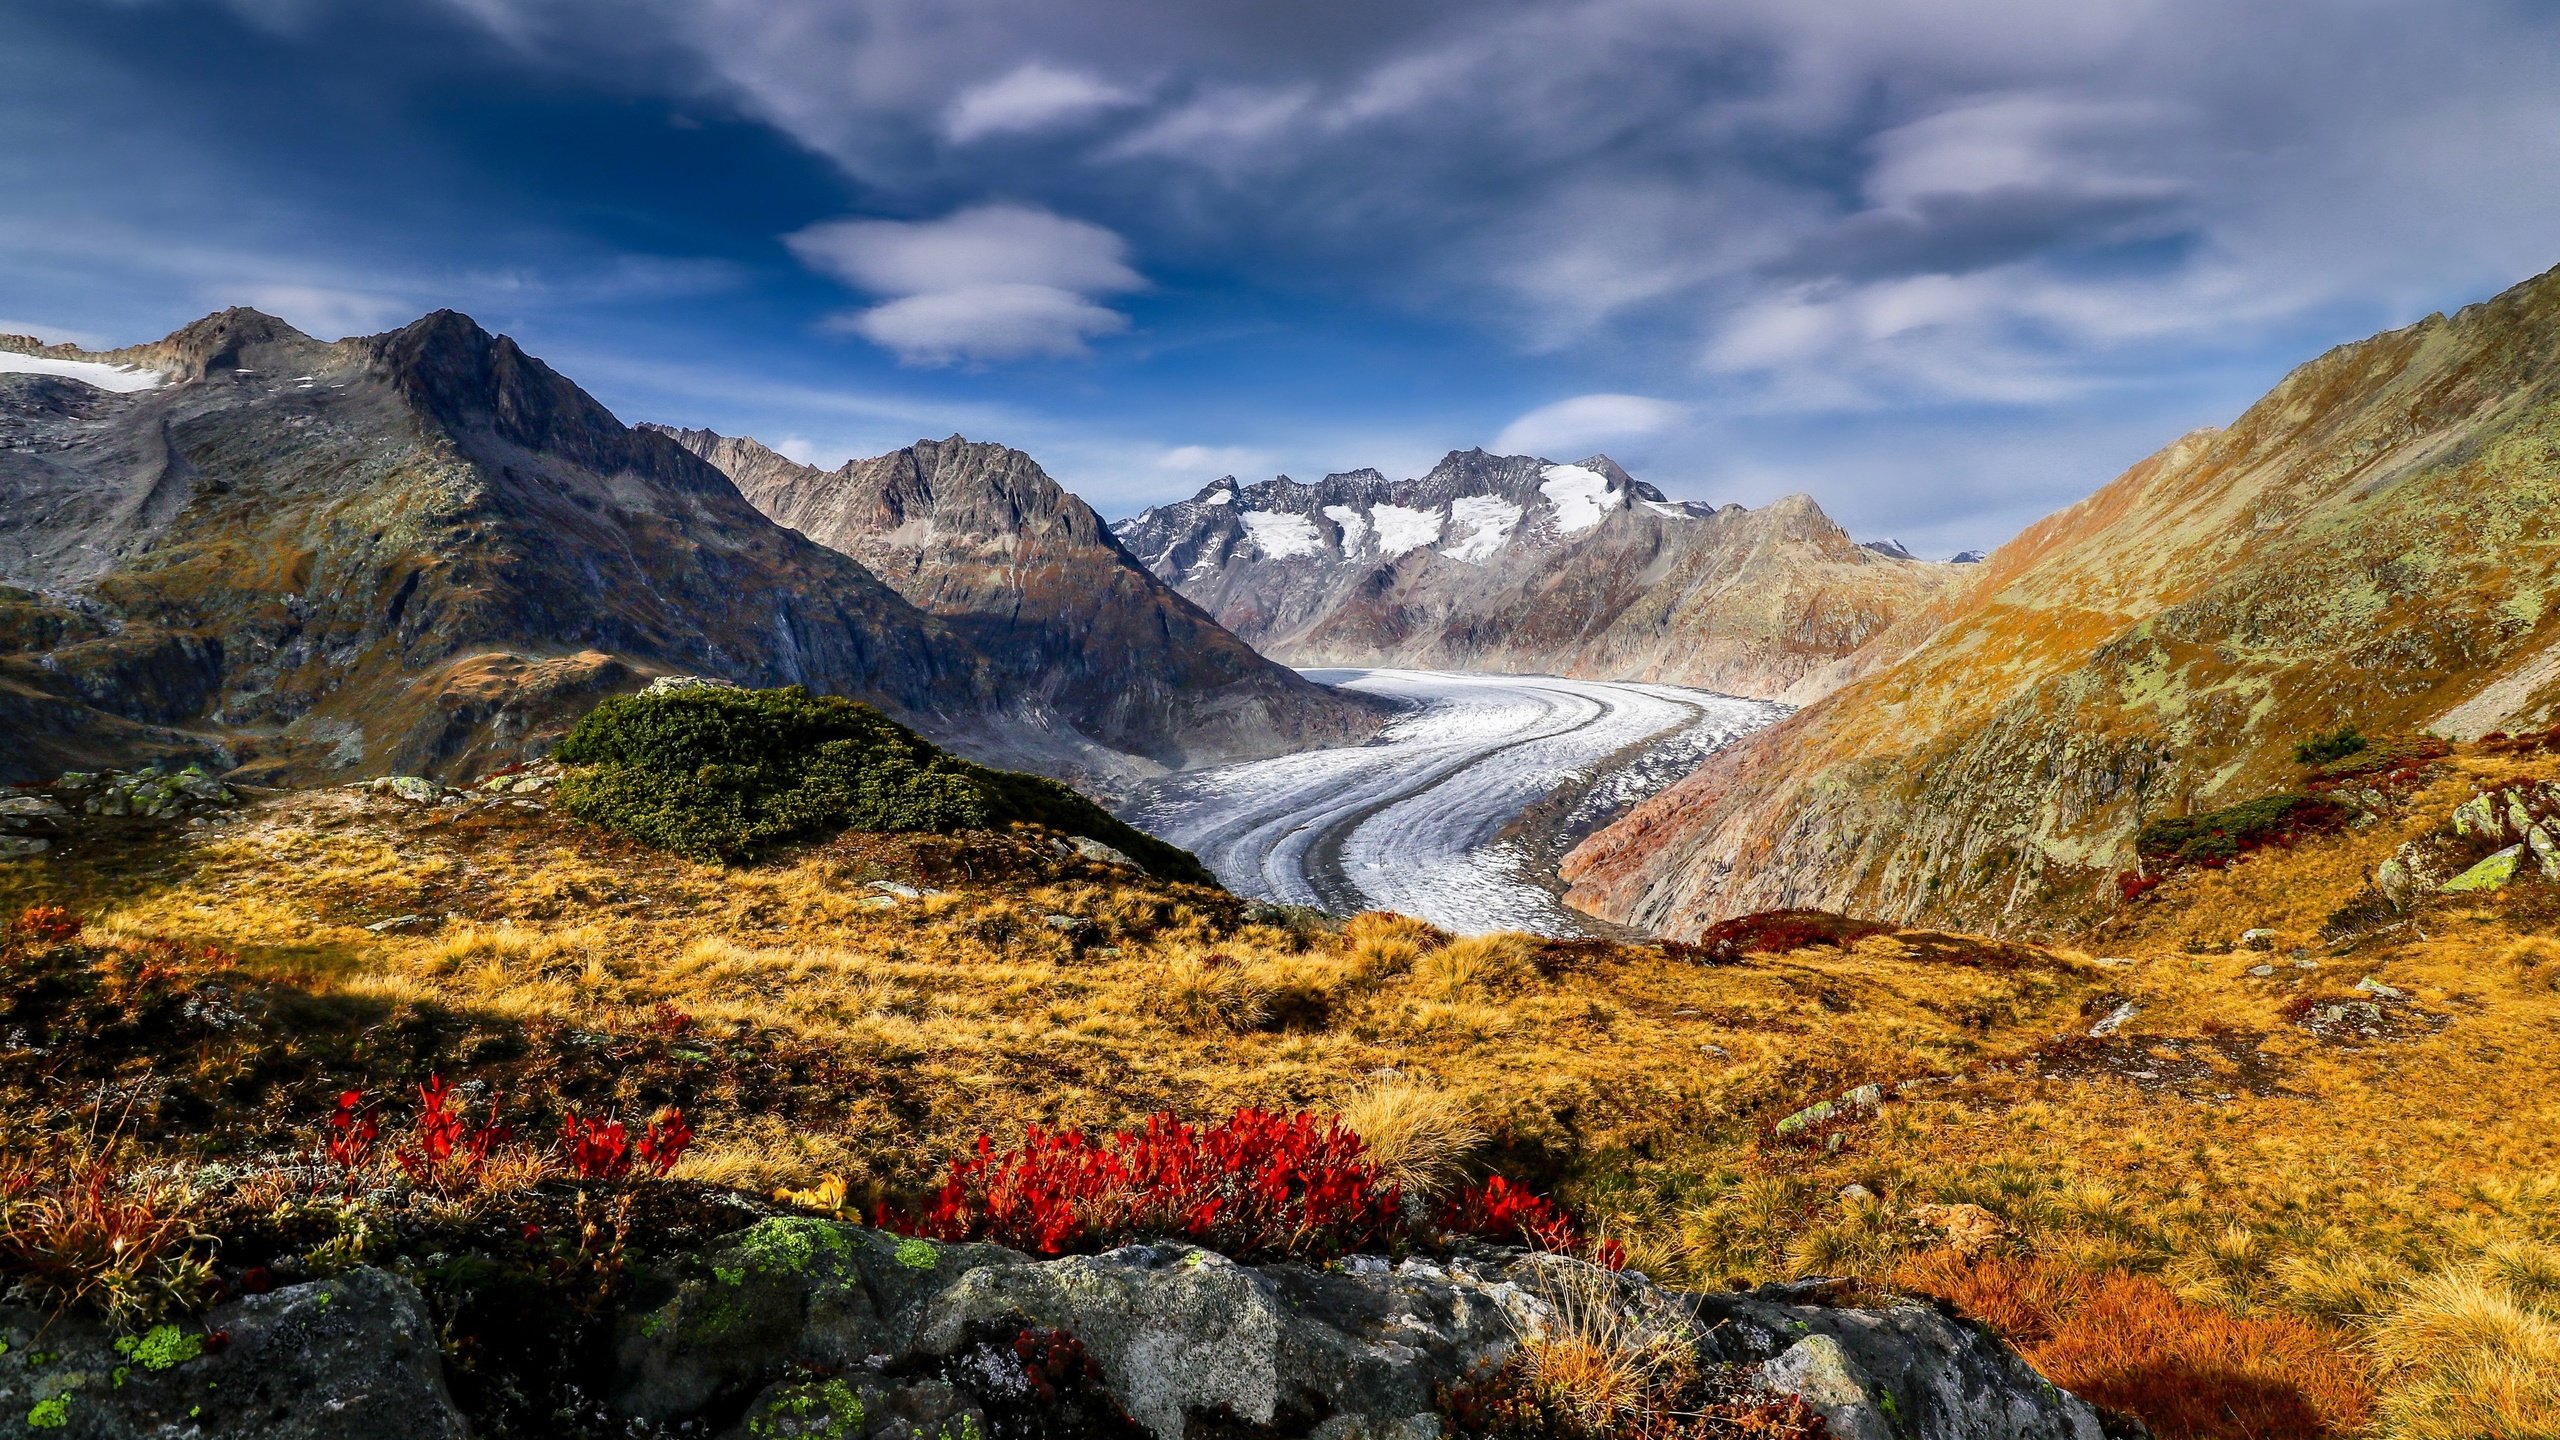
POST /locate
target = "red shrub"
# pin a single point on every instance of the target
(604, 1150)
(443, 1150)
(1775, 932)
(351, 1134)
(2132, 885)
(1254, 1185)
(46, 925)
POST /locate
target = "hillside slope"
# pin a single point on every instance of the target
(2374, 542)
(1512, 563)
(980, 536)
(417, 551)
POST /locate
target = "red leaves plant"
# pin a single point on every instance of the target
(603, 1150)
(445, 1151)
(45, 925)
(1255, 1186)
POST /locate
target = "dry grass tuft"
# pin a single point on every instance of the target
(1383, 944)
(1419, 1135)
(2472, 1360)
(1589, 1360)
(1210, 991)
(1477, 967)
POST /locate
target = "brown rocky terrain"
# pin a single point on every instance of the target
(980, 536)
(2372, 543)
(1513, 563)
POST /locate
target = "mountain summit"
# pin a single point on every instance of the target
(1511, 562)
(980, 536)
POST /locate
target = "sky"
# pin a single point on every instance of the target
(1945, 265)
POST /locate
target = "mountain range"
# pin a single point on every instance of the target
(427, 551)
(2376, 542)
(1516, 563)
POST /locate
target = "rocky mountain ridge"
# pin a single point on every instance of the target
(423, 551)
(980, 536)
(2372, 543)
(1516, 563)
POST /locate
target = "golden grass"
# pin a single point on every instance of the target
(1418, 1134)
(2215, 1149)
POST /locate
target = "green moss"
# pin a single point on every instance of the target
(2330, 745)
(791, 1245)
(918, 1254)
(50, 1414)
(166, 1346)
(793, 1415)
(729, 1274)
(725, 774)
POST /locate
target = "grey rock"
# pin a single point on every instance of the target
(31, 805)
(349, 1358)
(2374, 987)
(893, 888)
(1181, 1335)
(2490, 874)
(2257, 939)
(2398, 883)
(417, 789)
(670, 684)
(12, 846)
(1068, 923)
(1095, 850)
(2115, 1020)
(2478, 819)
(2262, 971)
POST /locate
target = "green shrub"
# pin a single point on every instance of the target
(2218, 836)
(726, 774)
(2337, 744)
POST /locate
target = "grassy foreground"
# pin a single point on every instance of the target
(2262, 1202)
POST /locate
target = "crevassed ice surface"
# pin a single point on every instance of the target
(104, 376)
(1412, 821)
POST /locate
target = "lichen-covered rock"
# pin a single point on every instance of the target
(2489, 874)
(349, 1358)
(926, 1340)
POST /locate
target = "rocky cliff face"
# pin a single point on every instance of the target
(981, 537)
(420, 551)
(1495, 562)
(2374, 542)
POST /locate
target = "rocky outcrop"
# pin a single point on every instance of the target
(980, 537)
(349, 1358)
(2371, 543)
(925, 1340)
(1506, 562)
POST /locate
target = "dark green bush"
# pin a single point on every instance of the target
(725, 774)
(2336, 744)
(2221, 835)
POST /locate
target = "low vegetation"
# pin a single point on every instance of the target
(2295, 1188)
(720, 773)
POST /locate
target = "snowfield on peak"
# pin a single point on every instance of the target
(123, 379)
(1279, 536)
(1580, 497)
(1478, 524)
(1402, 530)
(1355, 526)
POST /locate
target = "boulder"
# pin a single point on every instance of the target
(2489, 874)
(2257, 939)
(911, 1339)
(348, 1358)
(2478, 819)
(1095, 850)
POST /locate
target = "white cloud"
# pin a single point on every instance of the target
(322, 311)
(1213, 460)
(984, 322)
(1031, 97)
(994, 282)
(1586, 423)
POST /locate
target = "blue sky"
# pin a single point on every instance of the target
(1943, 264)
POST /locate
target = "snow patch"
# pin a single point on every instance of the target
(1279, 537)
(1401, 529)
(1581, 497)
(1355, 526)
(1219, 497)
(1675, 510)
(121, 378)
(1478, 524)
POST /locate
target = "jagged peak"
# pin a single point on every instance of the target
(221, 343)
